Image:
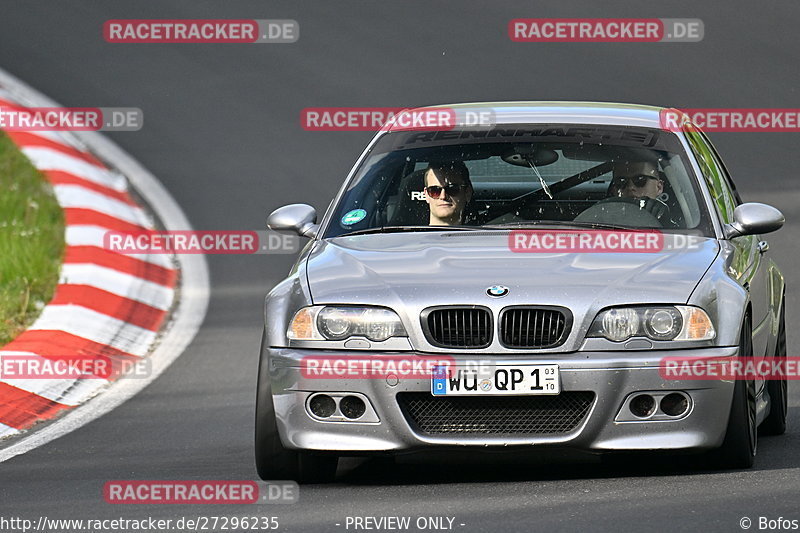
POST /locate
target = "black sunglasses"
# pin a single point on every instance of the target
(435, 191)
(638, 181)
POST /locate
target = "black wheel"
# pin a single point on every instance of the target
(775, 423)
(316, 468)
(273, 460)
(739, 448)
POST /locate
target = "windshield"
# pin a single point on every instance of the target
(519, 176)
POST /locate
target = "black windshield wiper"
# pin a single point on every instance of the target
(554, 189)
(399, 229)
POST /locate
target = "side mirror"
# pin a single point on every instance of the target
(297, 219)
(754, 219)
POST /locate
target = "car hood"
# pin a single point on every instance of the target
(411, 271)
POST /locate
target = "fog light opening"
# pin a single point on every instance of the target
(322, 405)
(352, 407)
(643, 405)
(675, 404)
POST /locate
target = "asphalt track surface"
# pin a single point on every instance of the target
(222, 132)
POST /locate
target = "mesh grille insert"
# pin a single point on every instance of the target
(495, 415)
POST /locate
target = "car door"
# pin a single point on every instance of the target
(749, 263)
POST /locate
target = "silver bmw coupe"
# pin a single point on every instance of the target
(519, 281)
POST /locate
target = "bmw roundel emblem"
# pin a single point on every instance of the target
(497, 291)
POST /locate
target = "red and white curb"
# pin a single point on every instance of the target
(107, 305)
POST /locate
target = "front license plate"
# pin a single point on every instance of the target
(516, 380)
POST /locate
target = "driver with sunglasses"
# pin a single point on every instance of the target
(640, 180)
(448, 190)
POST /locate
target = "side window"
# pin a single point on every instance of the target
(714, 175)
(721, 165)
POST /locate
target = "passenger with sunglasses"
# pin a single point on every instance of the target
(448, 190)
(643, 181)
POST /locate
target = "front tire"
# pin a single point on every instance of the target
(775, 423)
(739, 448)
(273, 460)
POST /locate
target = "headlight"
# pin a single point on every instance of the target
(336, 323)
(619, 324)
(662, 323)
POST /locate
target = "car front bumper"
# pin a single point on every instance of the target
(613, 377)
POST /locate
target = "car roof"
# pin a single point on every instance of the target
(546, 112)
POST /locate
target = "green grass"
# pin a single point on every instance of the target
(31, 241)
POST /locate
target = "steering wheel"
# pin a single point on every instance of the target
(636, 212)
(654, 206)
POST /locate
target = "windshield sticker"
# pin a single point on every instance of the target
(353, 217)
(624, 136)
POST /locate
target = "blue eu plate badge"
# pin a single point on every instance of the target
(439, 381)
